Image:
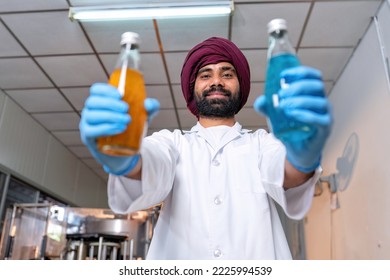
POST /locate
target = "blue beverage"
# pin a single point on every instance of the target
(282, 126)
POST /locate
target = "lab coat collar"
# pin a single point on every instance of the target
(237, 127)
(232, 134)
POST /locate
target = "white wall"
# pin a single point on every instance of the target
(30, 153)
(360, 227)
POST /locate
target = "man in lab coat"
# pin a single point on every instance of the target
(218, 182)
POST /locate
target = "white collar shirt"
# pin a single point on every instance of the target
(218, 195)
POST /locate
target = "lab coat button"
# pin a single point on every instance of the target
(216, 162)
(217, 253)
(217, 200)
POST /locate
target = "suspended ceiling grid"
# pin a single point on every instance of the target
(47, 62)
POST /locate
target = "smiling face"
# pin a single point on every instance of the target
(217, 90)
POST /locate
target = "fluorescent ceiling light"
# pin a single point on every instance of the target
(151, 11)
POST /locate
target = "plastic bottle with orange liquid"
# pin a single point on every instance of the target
(128, 78)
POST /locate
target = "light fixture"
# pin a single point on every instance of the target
(151, 11)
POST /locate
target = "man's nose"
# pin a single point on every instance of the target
(216, 81)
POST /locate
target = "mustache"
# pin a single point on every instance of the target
(219, 89)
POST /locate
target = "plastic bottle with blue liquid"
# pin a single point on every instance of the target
(281, 55)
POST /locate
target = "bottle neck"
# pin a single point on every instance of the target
(129, 54)
(279, 33)
(279, 43)
(130, 46)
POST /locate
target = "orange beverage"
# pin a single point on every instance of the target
(128, 143)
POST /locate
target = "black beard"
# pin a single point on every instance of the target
(218, 107)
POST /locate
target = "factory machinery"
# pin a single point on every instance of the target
(46, 231)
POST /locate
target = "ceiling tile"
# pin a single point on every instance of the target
(187, 119)
(162, 94)
(38, 5)
(249, 28)
(58, 121)
(109, 61)
(9, 46)
(40, 100)
(175, 63)
(330, 61)
(153, 68)
(179, 98)
(106, 36)
(257, 60)
(100, 172)
(80, 151)
(21, 73)
(329, 26)
(69, 138)
(164, 119)
(99, 2)
(192, 31)
(76, 96)
(257, 89)
(151, 64)
(48, 33)
(73, 70)
(92, 163)
(247, 117)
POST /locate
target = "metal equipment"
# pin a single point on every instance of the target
(46, 231)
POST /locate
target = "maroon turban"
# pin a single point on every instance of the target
(212, 51)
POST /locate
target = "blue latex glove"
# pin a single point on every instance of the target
(304, 100)
(104, 114)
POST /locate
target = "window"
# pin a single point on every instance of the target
(18, 191)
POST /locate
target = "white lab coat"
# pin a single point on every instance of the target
(218, 195)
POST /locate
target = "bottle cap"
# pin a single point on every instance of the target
(276, 24)
(130, 38)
